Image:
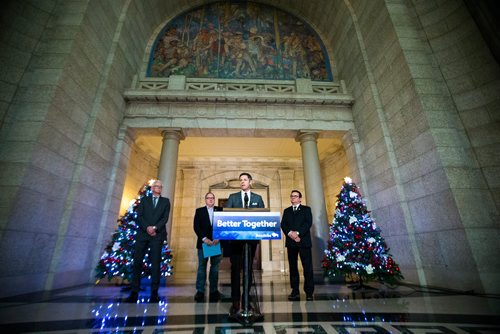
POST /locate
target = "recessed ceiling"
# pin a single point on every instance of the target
(231, 146)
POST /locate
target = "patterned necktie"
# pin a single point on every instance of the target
(245, 199)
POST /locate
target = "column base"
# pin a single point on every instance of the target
(246, 317)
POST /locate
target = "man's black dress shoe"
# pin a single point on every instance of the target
(215, 296)
(199, 297)
(294, 296)
(309, 297)
(132, 298)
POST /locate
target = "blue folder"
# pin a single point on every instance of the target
(211, 250)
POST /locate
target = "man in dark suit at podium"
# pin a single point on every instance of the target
(244, 199)
(296, 224)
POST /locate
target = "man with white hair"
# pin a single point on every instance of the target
(152, 217)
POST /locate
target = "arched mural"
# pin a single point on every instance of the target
(239, 40)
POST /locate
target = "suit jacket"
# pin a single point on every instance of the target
(234, 201)
(148, 215)
(201, 224)
(300, 221)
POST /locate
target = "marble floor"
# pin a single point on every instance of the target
(337, 308)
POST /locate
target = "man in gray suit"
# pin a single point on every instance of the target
(243, 199)
(152, 217)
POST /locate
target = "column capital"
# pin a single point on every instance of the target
(307, 135)
(173, 133)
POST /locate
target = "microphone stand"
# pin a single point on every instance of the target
(248, 315)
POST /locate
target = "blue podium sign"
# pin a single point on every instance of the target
(245, 225)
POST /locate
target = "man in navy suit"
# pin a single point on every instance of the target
(296, 224)
(243, 199)
(202, 225)
(152, 217)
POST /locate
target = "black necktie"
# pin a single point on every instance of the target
(245, 199)
(294, 209)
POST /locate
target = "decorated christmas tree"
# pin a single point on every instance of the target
(117, 259)
(355, 247)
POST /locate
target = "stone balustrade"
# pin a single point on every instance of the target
(181, 88)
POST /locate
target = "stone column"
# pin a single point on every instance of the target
(315, 195)
(168, 167)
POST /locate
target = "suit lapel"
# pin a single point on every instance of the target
(207, 214)
(251, 201)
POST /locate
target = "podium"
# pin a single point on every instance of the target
(246, 225)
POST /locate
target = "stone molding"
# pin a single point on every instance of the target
(233, 116)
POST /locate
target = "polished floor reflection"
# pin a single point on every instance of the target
(337, 308)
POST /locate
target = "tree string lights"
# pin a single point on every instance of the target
(355, 245)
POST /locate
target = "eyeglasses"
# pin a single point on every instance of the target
(209, 197)
(157, 186)
(293, 196)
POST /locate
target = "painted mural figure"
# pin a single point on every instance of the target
(201, 50)
(258, 47)
(239, 52)
(171, 59)
(294, 51)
